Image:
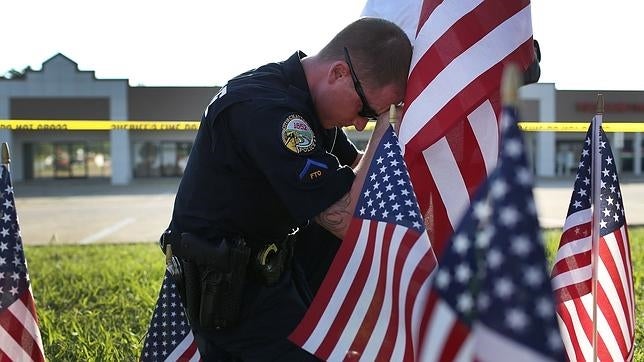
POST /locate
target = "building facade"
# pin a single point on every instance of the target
(60, 91)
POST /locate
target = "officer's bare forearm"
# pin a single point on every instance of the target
(337, 217)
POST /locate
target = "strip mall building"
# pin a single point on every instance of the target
(60, 91)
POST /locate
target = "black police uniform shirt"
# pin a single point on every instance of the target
(260, 165)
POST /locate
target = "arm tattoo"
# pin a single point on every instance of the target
(337, 217)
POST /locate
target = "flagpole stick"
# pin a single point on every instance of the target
(596, 196)
(510, 83)
(5, 154)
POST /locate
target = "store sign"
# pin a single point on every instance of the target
(616, 107)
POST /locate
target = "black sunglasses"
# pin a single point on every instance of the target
(366, 110)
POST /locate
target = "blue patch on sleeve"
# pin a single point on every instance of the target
(312, 169)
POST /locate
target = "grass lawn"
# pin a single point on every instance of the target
(94, 302)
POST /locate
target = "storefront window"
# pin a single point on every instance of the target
(98, 159)
(166, 158)
(68, 160)
(43, 162)
(147, 162)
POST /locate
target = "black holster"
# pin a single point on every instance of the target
(213, 278)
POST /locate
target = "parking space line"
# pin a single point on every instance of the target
(107, 231)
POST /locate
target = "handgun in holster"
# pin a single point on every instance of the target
(213, 276)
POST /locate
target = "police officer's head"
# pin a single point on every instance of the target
(363, 70)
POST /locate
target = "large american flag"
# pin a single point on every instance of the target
(19, 333)
(370, 304)
(169, 336)
(491, 299)
(449, 131)
(572, 271)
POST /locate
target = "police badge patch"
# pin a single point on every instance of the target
(297, 135)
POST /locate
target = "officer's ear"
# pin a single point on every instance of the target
(338, 71)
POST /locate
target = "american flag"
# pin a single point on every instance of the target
(572, 271)
(169, 336)
(371, 301)
(19, 333)
(449, 131)
(491, 299)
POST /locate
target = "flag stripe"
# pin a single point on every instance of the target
(464, 77)
(427, 9)
(611, 319)
(484, 124)
(448, 180)
(605, 332)
(440, 321)
(623, 242)
(573, 263)
(184, 351)
(311, 331)
(375, 306)
(416, 293)
(574, 234)
(416, 266)
(418, 314)
(365, 295)
(580, 219)
(457, 338)
(569, 335)
(11, 347)
(429, 199)
(350, 299)
(616, 281)
(13, 322)
(24, 312)
(468, 157)
(585, 313)
(404, 242)
(572, 252)
(572, 277)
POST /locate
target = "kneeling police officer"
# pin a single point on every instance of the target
(266, 160)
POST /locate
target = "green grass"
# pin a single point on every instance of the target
(95, 302)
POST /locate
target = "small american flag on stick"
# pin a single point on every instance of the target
(370, 303)
(20, 338)
(572, 271)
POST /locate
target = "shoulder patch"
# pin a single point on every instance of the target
(297, 135)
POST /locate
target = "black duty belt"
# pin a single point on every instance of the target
(195, 249)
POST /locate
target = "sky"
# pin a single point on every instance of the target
(591, 44)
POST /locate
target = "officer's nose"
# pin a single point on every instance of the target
(360, 123)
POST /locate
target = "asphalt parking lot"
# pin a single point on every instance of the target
(94, 211)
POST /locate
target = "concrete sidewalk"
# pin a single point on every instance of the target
(94, 211)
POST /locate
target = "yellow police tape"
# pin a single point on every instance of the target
(103, 125)
(97, 125)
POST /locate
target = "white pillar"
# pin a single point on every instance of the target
(637, 153)
(120, 139)
(617, 145)
(545, 93)
(120, 152)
